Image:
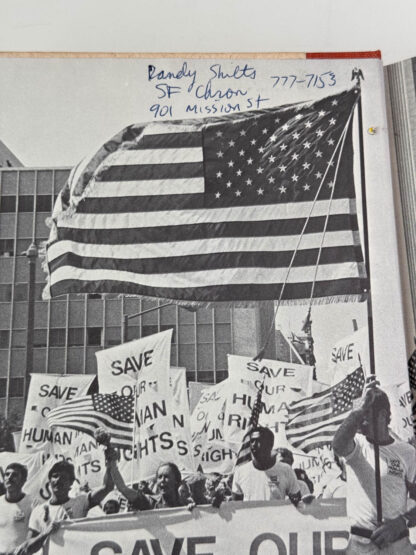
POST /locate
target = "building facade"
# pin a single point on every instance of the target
(401, 80)
(68, 330)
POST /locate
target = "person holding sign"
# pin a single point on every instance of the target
(264, 477)
(354, 441)
(46, 517)
(15, 507)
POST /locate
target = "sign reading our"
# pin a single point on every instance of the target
(46, 392)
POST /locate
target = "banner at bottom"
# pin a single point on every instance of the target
(252, 528)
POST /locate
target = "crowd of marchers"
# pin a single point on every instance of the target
(268, 475)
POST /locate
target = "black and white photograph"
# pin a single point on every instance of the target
(203, 342)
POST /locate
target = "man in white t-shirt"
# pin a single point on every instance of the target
(15, 507)
(264, 478)
(45, 518)
(397, 467)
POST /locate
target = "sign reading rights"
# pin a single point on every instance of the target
(254, 528)
(46, 392)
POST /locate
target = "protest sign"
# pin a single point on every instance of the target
(283, 382)
(181, 418)
(87, 457)
(256, 528)
(166, 440)
(349, 353)
(140, 366)
(195, 390)
(210, 450)
(120, 368)
(163, 430)
(403, 410)
(46, 392)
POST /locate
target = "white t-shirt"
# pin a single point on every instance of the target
(14, 521)
(264, 485)
(44, 514)
(397, 463)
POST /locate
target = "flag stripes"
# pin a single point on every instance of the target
(189, 263)
(88, 413)
(277, 229)
(218, 216)
(313, 421)
(212, 210)
(328, 289)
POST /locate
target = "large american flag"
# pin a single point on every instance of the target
(313, 421)
(216, 210)
(86, 414)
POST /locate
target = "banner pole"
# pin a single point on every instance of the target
(357, 74)
(133, 441)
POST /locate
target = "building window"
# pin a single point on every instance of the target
(94, 336)
(57, 337)
(75, 336)
(20, 292)
(113, 336)
(16, 387)
(149, 330)
(44, 203)
(39, 287)
(39, 338)
(25, 203)
(19, 338)
(94, 296)
(22, 246)
(5, 292)
(133, 332)
(165, 327)
(4, 339)
(6, 247)
(8, 204)
(3, 388)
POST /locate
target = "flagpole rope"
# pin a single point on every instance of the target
(344, 135)
(260, 354)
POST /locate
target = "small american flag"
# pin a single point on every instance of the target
(313, 421)
(412, 371)
(214, 209)
(244, 453)
(87, 414)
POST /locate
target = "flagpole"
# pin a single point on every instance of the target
(134, 435)
(357, 74)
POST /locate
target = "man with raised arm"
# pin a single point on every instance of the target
(354, 442)
(46, 517)
(264, 478)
